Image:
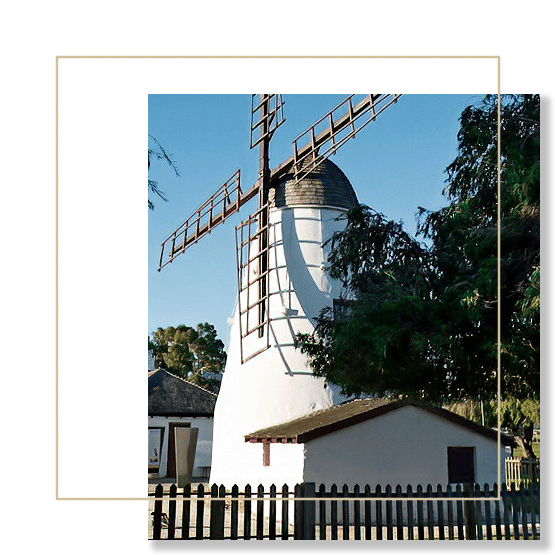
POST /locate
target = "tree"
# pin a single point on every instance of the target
(157, 152)
(517, 415)
(195, 354)
(464, 234)
(520, 415)
(422, 320)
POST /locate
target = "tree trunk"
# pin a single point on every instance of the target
(524, 439)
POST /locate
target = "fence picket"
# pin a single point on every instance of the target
(533, 500)
(460, 513)
(333, 510)
(234, 517)
(356, 511)
(388, 514)
(450, 519)
(440, 520)
(272, 522)
(478, 512)
(200, 513)
(420, 512)
(260, 513)
(410, 514)
(217, 512)
(430, 511)
(487, 512)
(515, 502)
(157, 514)
(399, 511)
(524, 504)
(186, 512)
(379, 529)
(498, 530)
(367, 514)
(345, 511)
(171, 512)
(284, 513)
(247, 513)
(506, 508)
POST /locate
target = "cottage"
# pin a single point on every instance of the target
(173, 404)
(370, 441)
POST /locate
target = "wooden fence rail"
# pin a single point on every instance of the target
(341, 513)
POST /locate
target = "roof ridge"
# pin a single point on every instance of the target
(186, 381)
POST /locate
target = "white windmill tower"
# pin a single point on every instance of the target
(282, 285)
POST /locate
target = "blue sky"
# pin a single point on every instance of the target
(395, 165)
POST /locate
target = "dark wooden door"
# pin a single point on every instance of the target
(460, 462)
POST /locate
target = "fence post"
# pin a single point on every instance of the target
(157, 514)
(309, 512)
(217, 511)
(469, 512)
(305, 511)
(298, 517)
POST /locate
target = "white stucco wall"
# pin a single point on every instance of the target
(277, 385)
(405, 446)
(203, 456)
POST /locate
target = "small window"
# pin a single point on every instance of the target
(460, 464)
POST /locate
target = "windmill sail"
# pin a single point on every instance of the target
(331, 132)
(252, 281)
(227, 200)
(266, 116)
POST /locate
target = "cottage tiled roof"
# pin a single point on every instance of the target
(335, 418)
(326, 185)
(169, 395)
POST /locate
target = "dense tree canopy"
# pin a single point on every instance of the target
(195, 354)
(423, 320)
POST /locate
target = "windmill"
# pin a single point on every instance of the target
(282, 285)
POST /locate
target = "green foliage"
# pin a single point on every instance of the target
(196, 355)
(423, 320)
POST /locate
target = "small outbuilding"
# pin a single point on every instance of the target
(376, 441)
(174, 403)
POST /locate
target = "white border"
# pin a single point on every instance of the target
(102, 130)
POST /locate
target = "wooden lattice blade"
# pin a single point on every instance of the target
(360, 115)
(227, 200)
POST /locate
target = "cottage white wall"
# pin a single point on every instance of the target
(203, 456)
(405, 446)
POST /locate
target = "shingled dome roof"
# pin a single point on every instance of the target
(326, 185)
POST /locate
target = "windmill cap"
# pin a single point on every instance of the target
(326, 185)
